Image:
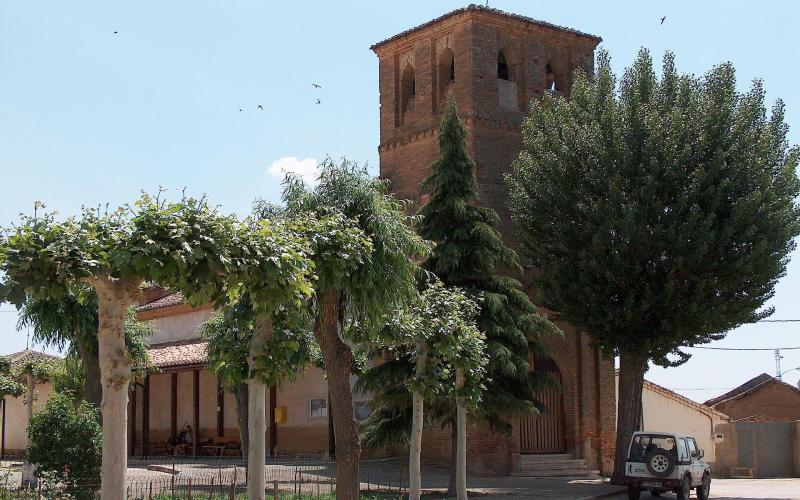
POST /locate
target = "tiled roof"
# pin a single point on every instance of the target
(172, 299)
(181, 353)
(29, 355)
(490, 10)
(749, 386)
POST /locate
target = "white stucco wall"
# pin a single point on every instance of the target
(178, 327)
(16, 422)
(666, 413)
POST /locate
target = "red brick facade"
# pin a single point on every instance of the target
(460, 52)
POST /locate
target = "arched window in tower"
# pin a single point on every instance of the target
(408, 90)
(549, 78)
(502, 67)
(445, 74)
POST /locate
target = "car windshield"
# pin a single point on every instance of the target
(643, 444)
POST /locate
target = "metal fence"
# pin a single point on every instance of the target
(286, 478)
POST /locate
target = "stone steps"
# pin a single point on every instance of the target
(553, 465)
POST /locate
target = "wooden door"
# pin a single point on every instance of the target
(544, 433)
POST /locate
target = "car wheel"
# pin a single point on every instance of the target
(634, 492)
(660, 463)
(656, 493)
(686, 488)
(704, 489)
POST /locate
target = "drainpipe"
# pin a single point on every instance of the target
(3, 431)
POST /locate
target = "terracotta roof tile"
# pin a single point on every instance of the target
(27, 355)
(172, 299)
(490, 10)
(181, 353)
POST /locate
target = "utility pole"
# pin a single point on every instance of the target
(778, 358)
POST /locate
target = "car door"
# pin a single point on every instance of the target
(697, 463)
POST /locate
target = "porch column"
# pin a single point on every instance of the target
(273, 429)
(132, 419)
(173, 408)
(196, 423)
(3, 432)
(146, 417)
(220, 410)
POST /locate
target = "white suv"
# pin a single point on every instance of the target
(665, 461)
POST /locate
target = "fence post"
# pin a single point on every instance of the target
(189, 490)
(172, 486)
(233, 488)
(150, 491)
(39, 490)
(276, 490)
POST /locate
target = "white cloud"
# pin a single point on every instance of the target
(305, 169)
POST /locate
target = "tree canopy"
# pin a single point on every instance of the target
(659, 211)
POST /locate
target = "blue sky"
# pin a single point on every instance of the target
(88, 116)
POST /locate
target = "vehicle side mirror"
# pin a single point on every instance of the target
(702, 453)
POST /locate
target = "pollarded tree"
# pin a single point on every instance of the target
(184, 245)
(660, 212)
(358, 282)
(438, 333)
(290, 349)
(70, 320)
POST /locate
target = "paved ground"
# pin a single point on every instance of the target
(745, 489)
(316, 477)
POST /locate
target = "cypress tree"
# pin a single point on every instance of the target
(470, 254)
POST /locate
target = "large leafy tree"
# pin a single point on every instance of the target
(185, 245)
(660, 212)
(358, 281)
(9, 385)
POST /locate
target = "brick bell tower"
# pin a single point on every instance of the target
(494, 63)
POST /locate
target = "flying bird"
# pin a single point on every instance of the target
(116, 32)
(240, 110)
(319, 102)
(316, 85)
(663, 19)
(260, 107)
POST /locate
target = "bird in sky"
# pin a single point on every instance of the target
(260, 107)
(663, 19)
(240, 110)
(116, 32)
(316, 85)
(319, 102)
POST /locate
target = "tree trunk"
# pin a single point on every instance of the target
(257, 418)
(414, 469)
(28, 468)
(461, 424)
(451, 484)
(113, 298)
(91, 375)
(338, 359)
(242, 413)
(629, 408)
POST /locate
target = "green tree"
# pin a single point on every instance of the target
(437, 332)
(65, 444)
(358, 282)
(9, 385)
(229, 332)
(660, 212)
(184, 245)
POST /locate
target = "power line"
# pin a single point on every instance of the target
(745, 348)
